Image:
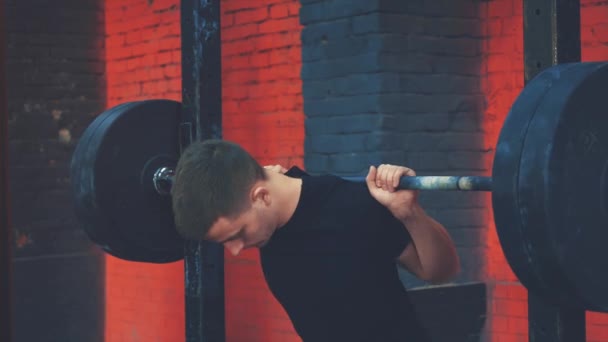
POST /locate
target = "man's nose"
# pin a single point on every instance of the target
(234, 247)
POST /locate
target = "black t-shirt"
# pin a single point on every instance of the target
(332, 266)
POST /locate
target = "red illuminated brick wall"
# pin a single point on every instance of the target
(503, 81)
(144, 302)
(262, 110)
(143, 50)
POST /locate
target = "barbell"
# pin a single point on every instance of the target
(549, 184)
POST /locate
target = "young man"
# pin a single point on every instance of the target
(328, 247)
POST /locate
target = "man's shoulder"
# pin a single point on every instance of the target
(317, 187)
(329, 202)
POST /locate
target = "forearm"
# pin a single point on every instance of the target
(436, 252)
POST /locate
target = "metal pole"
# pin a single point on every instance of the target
(551, 37)
(202, 119)
(552, 34)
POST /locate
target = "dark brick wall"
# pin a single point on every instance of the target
(55, 79)
(5, 241)
(390, 81)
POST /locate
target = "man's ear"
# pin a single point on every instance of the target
(260, 193)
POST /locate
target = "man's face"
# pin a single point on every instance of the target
(252, 228)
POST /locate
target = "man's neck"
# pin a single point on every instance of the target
(287, 191)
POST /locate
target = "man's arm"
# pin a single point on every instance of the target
(432, 255)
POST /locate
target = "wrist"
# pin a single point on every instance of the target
(408, 214)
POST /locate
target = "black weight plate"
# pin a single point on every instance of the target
(111, 180)
(79, 179)
(563, 168)
(512, 232)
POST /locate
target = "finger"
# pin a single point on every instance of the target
(377, 182)
(395, 176)
(384, 170)
(371, 177)
(388, 177)
(390, 174)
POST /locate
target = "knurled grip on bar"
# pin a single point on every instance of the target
(459, 183)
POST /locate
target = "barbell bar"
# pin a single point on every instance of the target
(549, 183)
(163, 181)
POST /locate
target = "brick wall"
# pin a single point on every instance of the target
(384, 81)
(6, 327)
(398, 82)
(262, 110)
(503, 80)
(144, 302)
(55, 75)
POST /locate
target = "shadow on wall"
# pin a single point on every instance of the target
(55, 70)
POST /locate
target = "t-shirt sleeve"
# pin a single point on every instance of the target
(386, 232)
(296, 172)
(395, 234)
(392, 233)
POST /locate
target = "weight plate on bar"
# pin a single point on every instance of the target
(111, 174)
(562, 170)
(512, 232)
